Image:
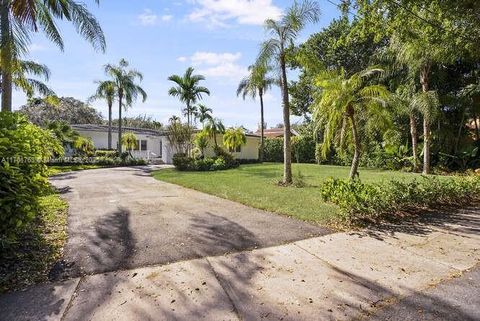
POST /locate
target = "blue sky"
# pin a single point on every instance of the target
(219, 38)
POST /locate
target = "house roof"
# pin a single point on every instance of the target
(104, 128)
(275, 132)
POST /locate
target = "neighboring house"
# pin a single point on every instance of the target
(153, 144)
(275, 133)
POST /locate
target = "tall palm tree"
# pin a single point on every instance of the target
(284, 32)
(342, 102)
(214, 127)
(21, 69)
(203, 114)
(259, 82)
(106, 91)
(127, 89)
(188, 91)
(20, 18)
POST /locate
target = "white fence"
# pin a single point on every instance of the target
(143, 154)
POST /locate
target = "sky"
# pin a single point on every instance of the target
(219, 38)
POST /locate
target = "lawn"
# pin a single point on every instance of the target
(256, 185)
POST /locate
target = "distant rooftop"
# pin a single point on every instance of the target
(104, 128)
(275, 132)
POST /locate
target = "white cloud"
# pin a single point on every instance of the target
(219, 12)
(182, 59)
(167, 17)
(217, 64)
(35, 47)
(149, 18)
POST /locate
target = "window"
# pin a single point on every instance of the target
(137, 146)
(143, 145)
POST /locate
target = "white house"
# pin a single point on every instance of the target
(154, 145)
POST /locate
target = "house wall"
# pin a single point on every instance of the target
(100, 139)
(248, 151)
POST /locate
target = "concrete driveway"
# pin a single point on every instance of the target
(122, 218)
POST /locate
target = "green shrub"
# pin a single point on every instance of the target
(273, 150)
(230, 161)
(182, 162)
(24, 149)
(358, 201)
(219, 164)
(204, 164)
(106, 153)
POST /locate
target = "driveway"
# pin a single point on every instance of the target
(122, 218)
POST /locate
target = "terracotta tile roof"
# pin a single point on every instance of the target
(275, 132)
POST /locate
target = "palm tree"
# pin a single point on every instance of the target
(130, 142)
(106, 91)
(203, 114)
(188, 91)
(20, 18)
(21, 69)
(174, 119)
(215, 126)
(257, 82)
(345, 100)
(127, 90)
(283, 33)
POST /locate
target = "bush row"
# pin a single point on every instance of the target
(359, 201)
(223, 160)
(303, 149)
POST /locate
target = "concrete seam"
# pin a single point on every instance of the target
(70, 302)
(220, 282)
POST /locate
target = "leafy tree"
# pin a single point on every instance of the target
(84, 145)
(188, 91)
(127, 89)
(129, 141)
(140, 121)
(274, 50)
(19, 19)
(106, 91)
(257, 82)
(234, 138)
(203, 114)
(42, 111)
(214, 127)
(179, 135)
(344, 101)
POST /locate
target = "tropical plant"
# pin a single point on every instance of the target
(21, 69)
(344, 100)
(129, 141)
(188, 91)
(257, 82)
(106, 91)
(233, 138)
(24, 148)
(203, 114)
(127, 89)
(20, 18)
(274, 50)
(214, 127)
(63, 132)
(201, 141)
(179, 135)
(84, 145)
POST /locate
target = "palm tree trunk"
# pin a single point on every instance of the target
(413, 133)
(262, 126)
(459, 133)
(120, 98)
(287, 147)
(6, 56)
(110, 103)
(426, 123)
(476, 120)
(356, 153)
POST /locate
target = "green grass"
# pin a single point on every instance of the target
(54, 170)
(29, 259)
(256, 186)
